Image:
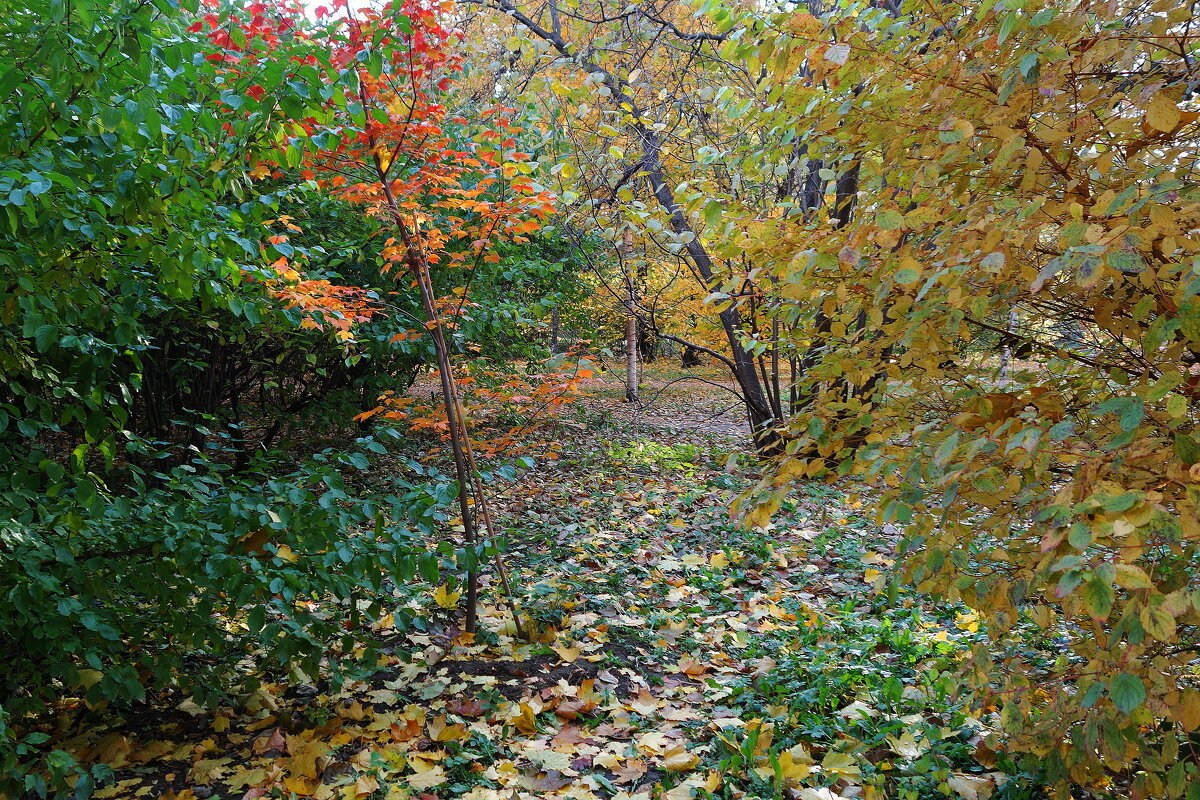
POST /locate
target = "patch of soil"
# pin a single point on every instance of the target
(518, 678)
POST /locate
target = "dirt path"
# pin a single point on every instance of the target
(702, 400)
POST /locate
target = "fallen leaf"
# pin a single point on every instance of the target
(567, 654)
(428, 778)
(550, 759)
(446, 598)
(551, 781)
(678, 759)
(645, 703)
(365, 785)
(631, 771)
(971, 787)
(242, 778)
(442, 731)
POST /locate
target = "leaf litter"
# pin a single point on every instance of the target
(668, 654)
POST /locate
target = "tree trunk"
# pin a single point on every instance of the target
(1006, 353)
(758, 408)
(647, 341)
(840, 214)
(631, 357)
(631, 322)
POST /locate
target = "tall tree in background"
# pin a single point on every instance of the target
(643, 67)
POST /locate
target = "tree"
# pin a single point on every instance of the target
(389, 145)
(1038, 165)
(642, 113)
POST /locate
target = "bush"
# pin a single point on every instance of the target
(169, 588)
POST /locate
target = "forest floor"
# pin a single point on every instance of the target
(668, 653)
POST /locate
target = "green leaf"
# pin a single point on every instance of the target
(1098, 598)
(1042, 17)
(889, 220)
(1007, 25)
(1189, 320)
(1132, 415)
(1092, 694)
(1187, 448)
(45, 336)
(1119, 502)
(713, 212)
(427, 566)
(1127, 692)
(1062, 430)
(1176, 405)
(1125, 261)
(1079, 535)
(1069, 581)
(1029, 67)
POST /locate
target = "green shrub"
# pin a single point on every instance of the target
(171, 587)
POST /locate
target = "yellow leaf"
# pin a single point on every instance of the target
(820, 793)
(446, 598)
(301, 786)
(365, 785)
(857, 710)
(844, 764)
(304, 753)
(971, 787)
(1158, 622)
(1162, 113)
(89, 677)
(285, 553)
(907, 745)
(645, 703)
(1188, 712)
(718, 560)
(524, 719)
(440, 731)
(795, 765)
(567, 654)
(967, 622)
(427, 778)
(1131, 576)
(921, 215)
(354, 711)
(152, 751)
(678, 759)
(247, 778)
